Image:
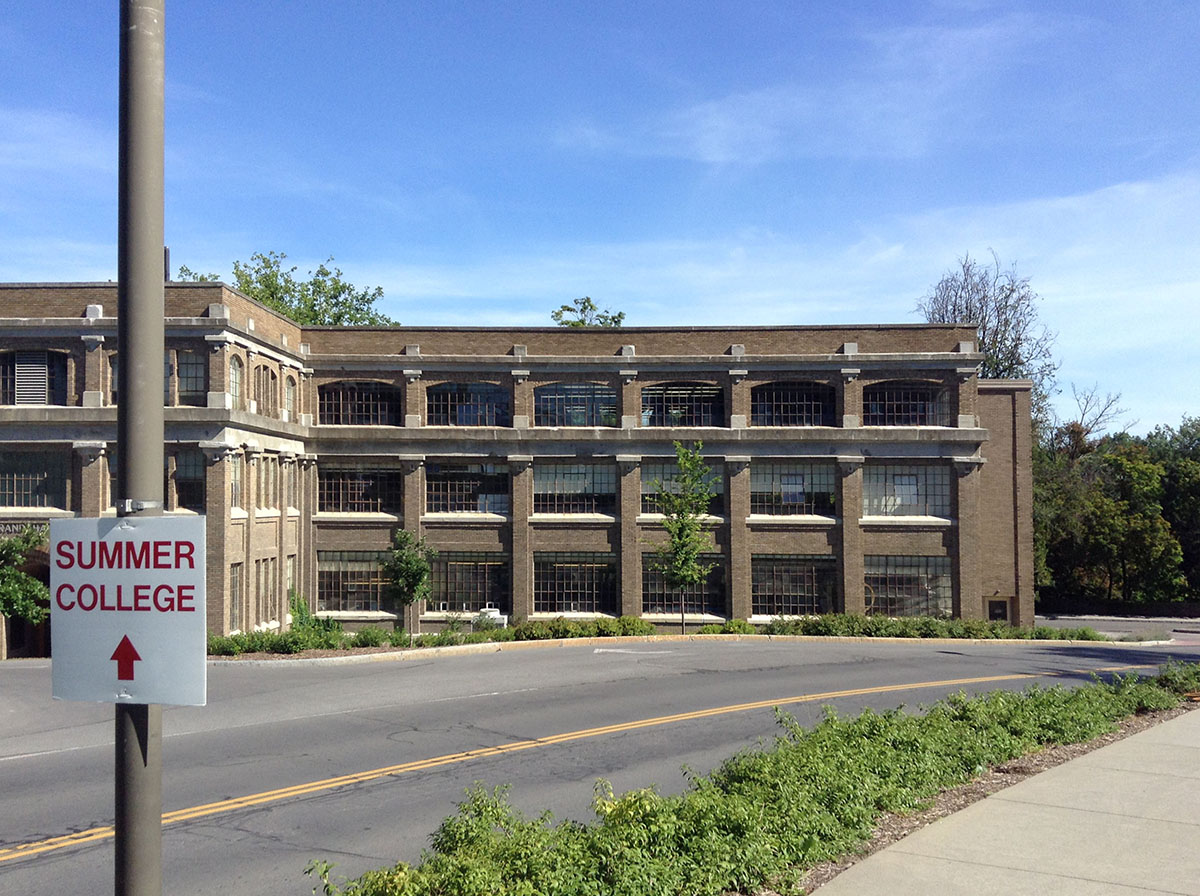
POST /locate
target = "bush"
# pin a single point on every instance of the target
(531, 630)
(633, 626)
(371, 636)
(400, 638)
(765, 814)
(220, 645)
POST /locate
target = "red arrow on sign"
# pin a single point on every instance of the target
(125, 655)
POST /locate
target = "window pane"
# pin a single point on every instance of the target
(787, 585)
(906, 490)
(707, 597)
(791, 404)
(350, 581)
(360, 491)
(575, 583)
(781, 489)
(906, 404)
(664, 474)
(33, 479)
(683, 404)
(908, 586)
(469, 582)
(466, 488)
(574, 488)
(468, 404)
(358, 404)
(575, 404)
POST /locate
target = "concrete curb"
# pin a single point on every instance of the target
(405, 654)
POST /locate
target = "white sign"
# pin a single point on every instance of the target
(127, 614)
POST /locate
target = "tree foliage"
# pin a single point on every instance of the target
(684, 504)
(1114, 513)
(324, 299)
(583, 312)
(187, 275)
(406, 568)
(21, 595)
(1004, 307)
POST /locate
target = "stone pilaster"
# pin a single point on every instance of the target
(629, 503)
(968, 582)
(521, 470)
(850, 498)
(737, 494)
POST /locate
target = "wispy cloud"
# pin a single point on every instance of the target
(899, 95)
(34, 141)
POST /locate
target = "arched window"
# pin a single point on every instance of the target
(358, 404)
(683, 404)
(468, 404)
(266, 391)
(575, 404)
(906, 404)
(791, 404)
(289, 398)
(235, 381)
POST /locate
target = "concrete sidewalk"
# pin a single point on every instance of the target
(1120, 820)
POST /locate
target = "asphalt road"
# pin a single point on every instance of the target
(548, 721)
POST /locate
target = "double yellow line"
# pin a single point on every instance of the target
(271, 796)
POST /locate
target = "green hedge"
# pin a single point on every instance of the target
(765, 815)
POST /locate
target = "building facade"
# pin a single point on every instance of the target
(857, 468)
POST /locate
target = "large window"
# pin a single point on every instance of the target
(683, 404)
(466, 488)
(791, 404)
(237, 477)
(33, 378)
(188, 479)
(906, 404)
(575, 404)
(664, 475)
(906, 490)
(469, 582)
(708, 597)
(575, 583)
(908, 586)
(33, 479)
(191, 376)
(359, 404)
(574, 488)
(350, 581)
(468, 404)
(289, 398)
(236, 386)
(785, 489)
(237, 609)
(266, 391)
(360, 491)
(787, 585)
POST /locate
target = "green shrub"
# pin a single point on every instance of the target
(476, 637)
(400, 638)
(220, 645)
(765, 814)
(632, 626)
(738, 627)
(531, 630)
(370, 636)
(501, 634)
(607, 627)
(712, 628)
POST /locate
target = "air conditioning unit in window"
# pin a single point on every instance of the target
(494, 615)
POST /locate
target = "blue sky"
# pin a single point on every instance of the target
(687, 163)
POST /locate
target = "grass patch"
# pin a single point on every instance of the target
(765, 815)
(856, 626)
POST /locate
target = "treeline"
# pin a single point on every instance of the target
(1117, 517)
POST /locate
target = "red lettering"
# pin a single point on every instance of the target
(88, 591)
(104, 604)
(141, 598)
(187, 594)
(162, 554)
(58, 597)
(65, 558)
(137, 557)
(167, 605)
(185, 550)
(110, 555)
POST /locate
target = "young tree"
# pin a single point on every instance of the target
(21, 595)
(406, 568)
(187, 275)
(1004, 307)
(684, 503)
(584, 313)
(324, 299)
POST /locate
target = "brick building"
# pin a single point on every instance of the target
(858, 468)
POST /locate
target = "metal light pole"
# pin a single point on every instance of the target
(140, 334)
